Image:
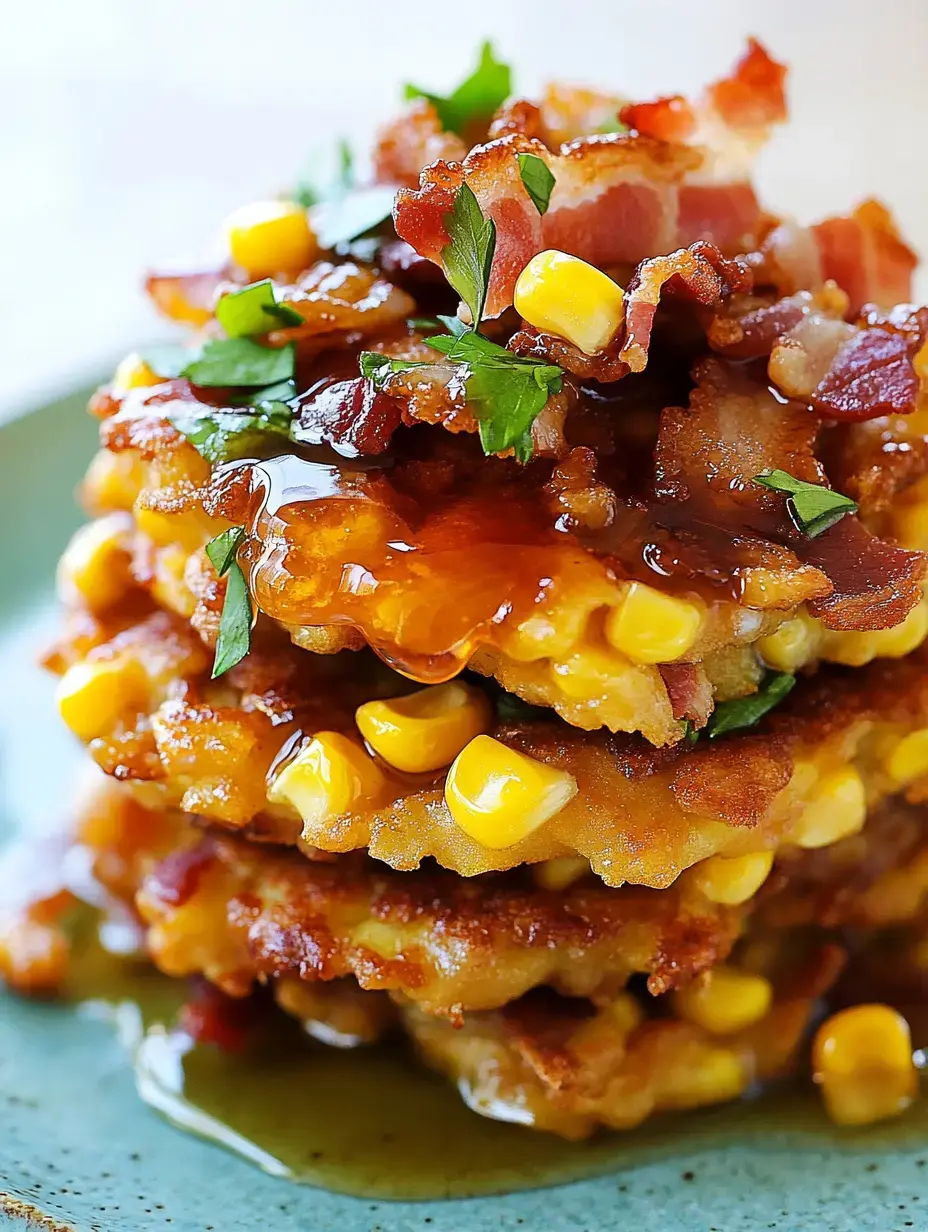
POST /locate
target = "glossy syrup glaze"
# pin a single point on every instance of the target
(373, 1122)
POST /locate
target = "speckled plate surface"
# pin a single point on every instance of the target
(78, 1150)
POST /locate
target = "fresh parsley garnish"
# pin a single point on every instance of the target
(240, 361)
(509, 390)
(468, 256)
(236, 619)
(423, 322)
(225, 436)
(743, 712)
(254, 310)
(476, 98)
(538, 180)
(167, 359)
(281, 391)
(812, 507)
(690, 731)
(338, 221)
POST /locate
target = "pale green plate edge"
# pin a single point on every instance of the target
(79, 1151)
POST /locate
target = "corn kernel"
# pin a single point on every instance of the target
(94, 567)
(563, 295)
(92, 696)
(862, 1058)
(901, 640)
(559, 873)
(792, 645)
(724, 1001)
(910, 526)
(271, 237)
(909, 759)
(499, 796)
(425, 730)
(133, 373)
(651, 627)
(598, 1034)
(113, 481)
(836, 809)
(327, 777)
(714, 1075)
(733, 879)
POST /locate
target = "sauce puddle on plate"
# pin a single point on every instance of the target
(373, 1122)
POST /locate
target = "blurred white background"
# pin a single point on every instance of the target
(131, 127)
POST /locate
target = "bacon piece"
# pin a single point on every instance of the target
(410, 142)
(699, 274)
(706, 457)
(853, 372)
(351, 416)
(176, 878)
(341, 298)
(866, 256)
(875, 584)
(186, 296)
(689, 691)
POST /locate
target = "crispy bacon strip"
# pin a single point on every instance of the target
(618, 199)
(698, 274)
(866, 256)
(706, 458)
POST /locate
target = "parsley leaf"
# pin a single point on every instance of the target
(281, 391)
(235, 622)
(254, 310)
(225, 436)
(509, 390)
(341, 219)
(743, 712)
(813, 508)
(468, 256)
(240, 361)
(167, 359)
(538, 180)
(476, 98)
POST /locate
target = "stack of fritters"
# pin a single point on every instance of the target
(544, 680)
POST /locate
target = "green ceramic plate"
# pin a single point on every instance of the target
(78, 1149)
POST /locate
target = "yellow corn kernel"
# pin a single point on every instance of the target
(499, 796)
(836, 809)
(724, 1001)
(598, 1034)
(733, 879)
(425, 730)
(133, 373)
(563, 295)
(559, 873)
(909, 759)
(792, 645)
(901, 640)
(92, 696)
(862, 1059)
(328, 776)
(910, 526)
(113, 481)
(651, 627)
(94, 568)
(713, 1076)
(271, 237)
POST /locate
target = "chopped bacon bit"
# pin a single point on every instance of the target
(176, 878)
(666, 119)
(412, 141)
(874, 373)
(699, 274)
(689, 691)
(518, 116)
(753, 97)
(875, 584)
(186, 296)
(866, 256)
(213, 1017)
(351, 416)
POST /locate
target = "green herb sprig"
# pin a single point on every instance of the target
(476, 98)
(237, 617)
(812, 507)
(537, 179)
(742, 712)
